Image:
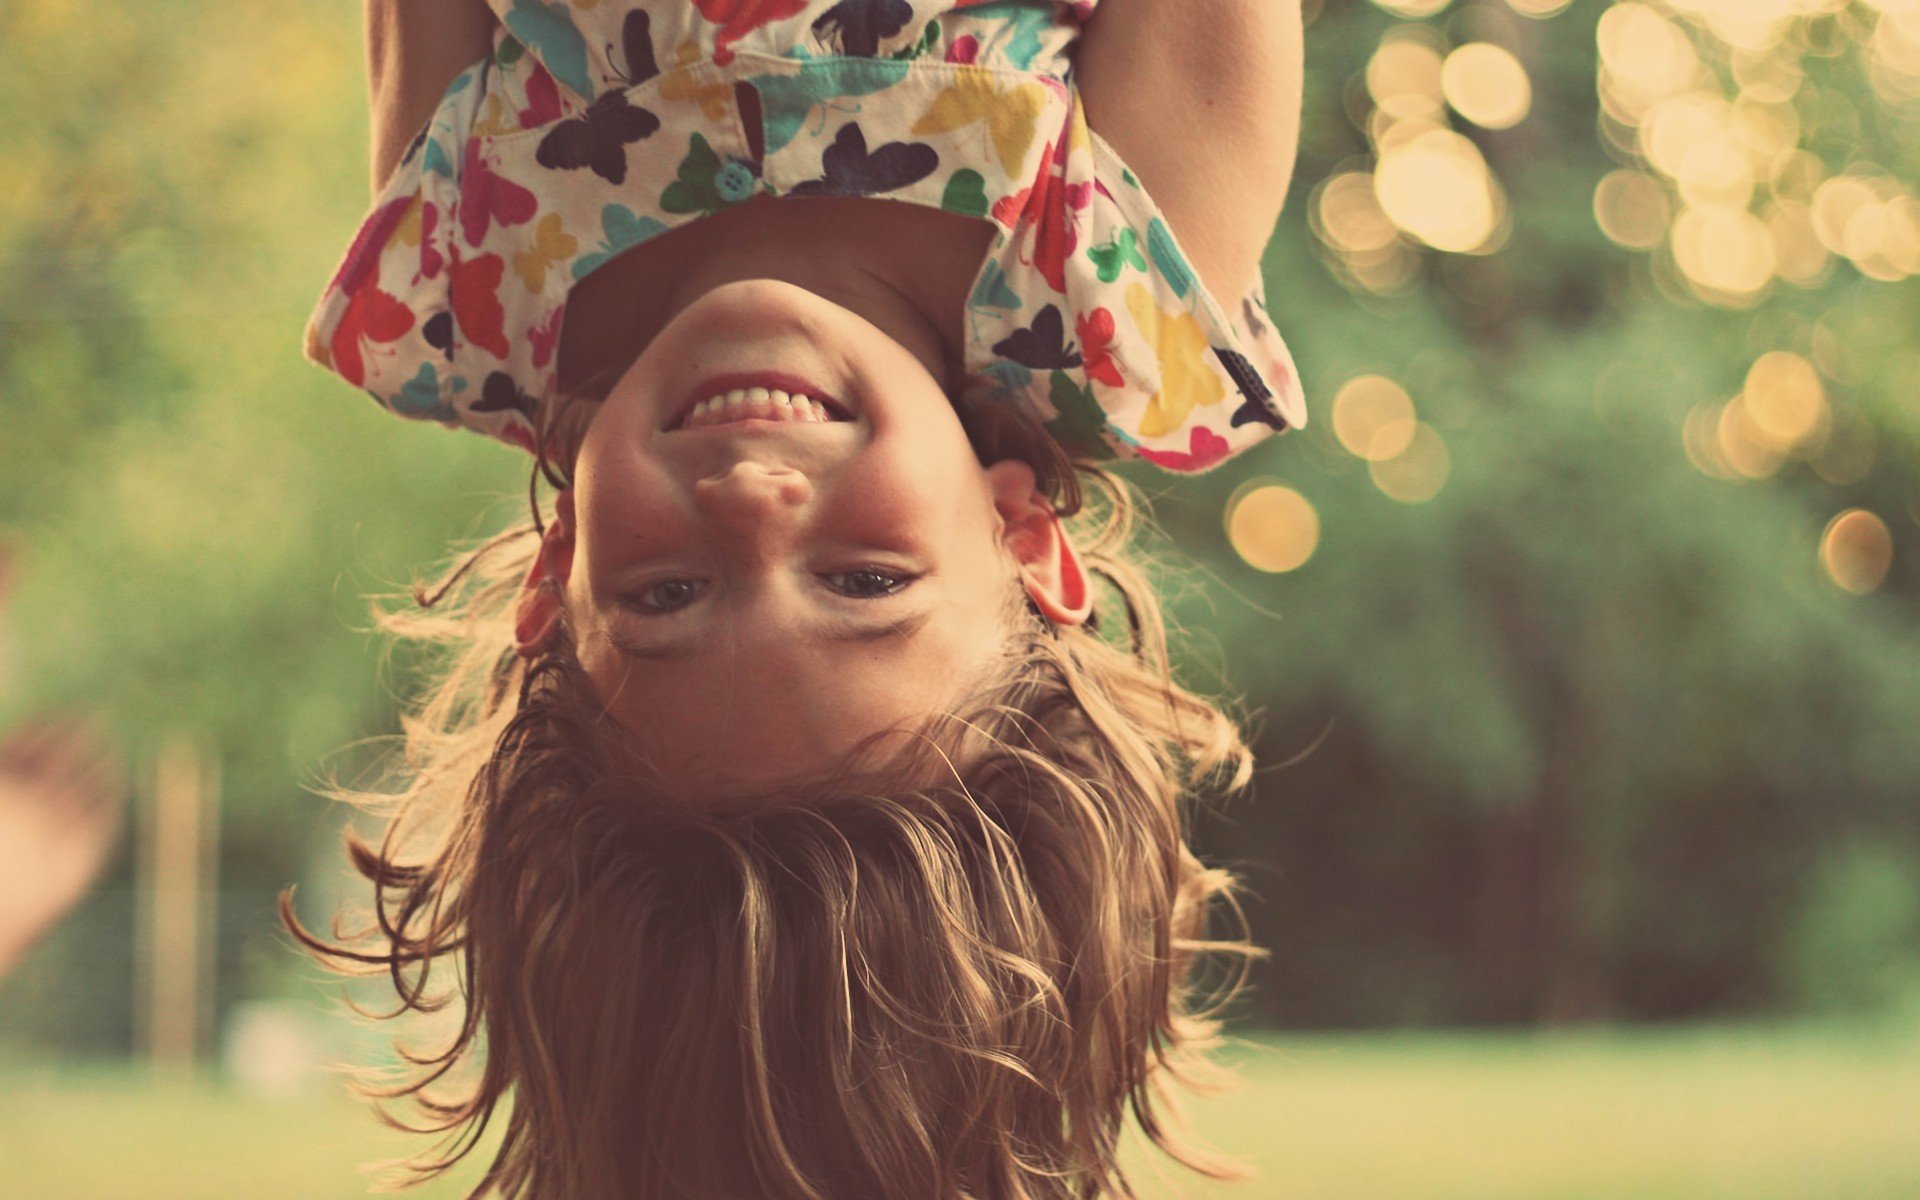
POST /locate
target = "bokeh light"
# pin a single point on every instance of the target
(1417, 473)
(1539, 9)
(1413, 9)
(1632, 209)
(1727, 255)
(1373, 418)
(1487, 85)
(1272, 527)
(1784, 398)
(1347, 215)
(1404, 77)
(1436, 186)
(1857, 550)
(1700, 436)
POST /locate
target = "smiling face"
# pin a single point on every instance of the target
(752, 595)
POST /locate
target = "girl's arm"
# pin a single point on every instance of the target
(1202, 99)
(414, 50)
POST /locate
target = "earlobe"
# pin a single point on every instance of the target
(536, 621)
(1050, 566)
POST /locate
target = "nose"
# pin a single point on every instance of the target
(751, 499)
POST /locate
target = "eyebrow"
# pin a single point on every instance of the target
(839, 632)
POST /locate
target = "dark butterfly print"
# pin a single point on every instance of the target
(598, 138)
(636, 39)
(439, 333)
(1042, 345)
(851, 171)
(1251, 386)
(413, 147)
(863, 24)
(500, 394)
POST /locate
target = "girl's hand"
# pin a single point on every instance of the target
(61, 808)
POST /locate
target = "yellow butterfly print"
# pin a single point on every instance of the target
(551, 243)
(409, 230)
(679, 83)
(497, 120)
(1011, 115)
(1186, 382)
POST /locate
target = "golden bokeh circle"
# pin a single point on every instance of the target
(1632, 208)
(1272, 527)
(1784, 397)
(1487, 85)
(1417, 474)
(1373, 417)
(1856, 549)
(1437, 187)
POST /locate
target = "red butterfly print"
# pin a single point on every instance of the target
(1045, 206)
(474, 288)
(1205, 448)
(369, 244)
(486, 197)
(543, 99)
(372, 315)
(737, 18)
(432, 262)
(545, 338)
(1095, 331)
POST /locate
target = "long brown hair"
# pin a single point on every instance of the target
(839, 990)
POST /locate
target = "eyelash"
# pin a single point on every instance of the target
(897, 583)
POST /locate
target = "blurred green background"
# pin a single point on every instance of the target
(1578, 630)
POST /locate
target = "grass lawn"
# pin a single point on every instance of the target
(1757, 1113)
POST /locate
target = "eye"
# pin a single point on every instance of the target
(667, 596)
(868, 583)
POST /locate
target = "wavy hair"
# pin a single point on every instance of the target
(835, 990)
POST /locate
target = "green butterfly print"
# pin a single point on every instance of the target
(786, 100)
(1112, 257)
(928, 43)
(1168, 258)
(966, 193)
(1027, 20)
(419, 397)
(1080, 420)
(992, 291)
(707, 185)
(624, 228)
(549, 30)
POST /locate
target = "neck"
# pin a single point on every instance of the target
(819, 244)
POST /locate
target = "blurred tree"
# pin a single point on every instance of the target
(1598, 665)
(1597, 688)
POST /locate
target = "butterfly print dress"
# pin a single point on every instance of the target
(596, 125)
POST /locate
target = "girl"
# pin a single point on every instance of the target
(796, 829)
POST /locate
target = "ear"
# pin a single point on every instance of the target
(536, 622)
(1050, 565)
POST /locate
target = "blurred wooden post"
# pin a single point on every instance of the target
(179, 863)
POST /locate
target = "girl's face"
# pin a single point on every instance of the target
(754, 597)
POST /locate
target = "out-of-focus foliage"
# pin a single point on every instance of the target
(1605, 676)
(1599, 592)
(200, 516)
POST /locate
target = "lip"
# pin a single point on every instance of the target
(771, 380)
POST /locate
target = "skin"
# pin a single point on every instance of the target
(718, 580)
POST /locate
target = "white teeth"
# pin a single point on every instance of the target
(794, 406)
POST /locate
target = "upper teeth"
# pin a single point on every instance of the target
(770, 403)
